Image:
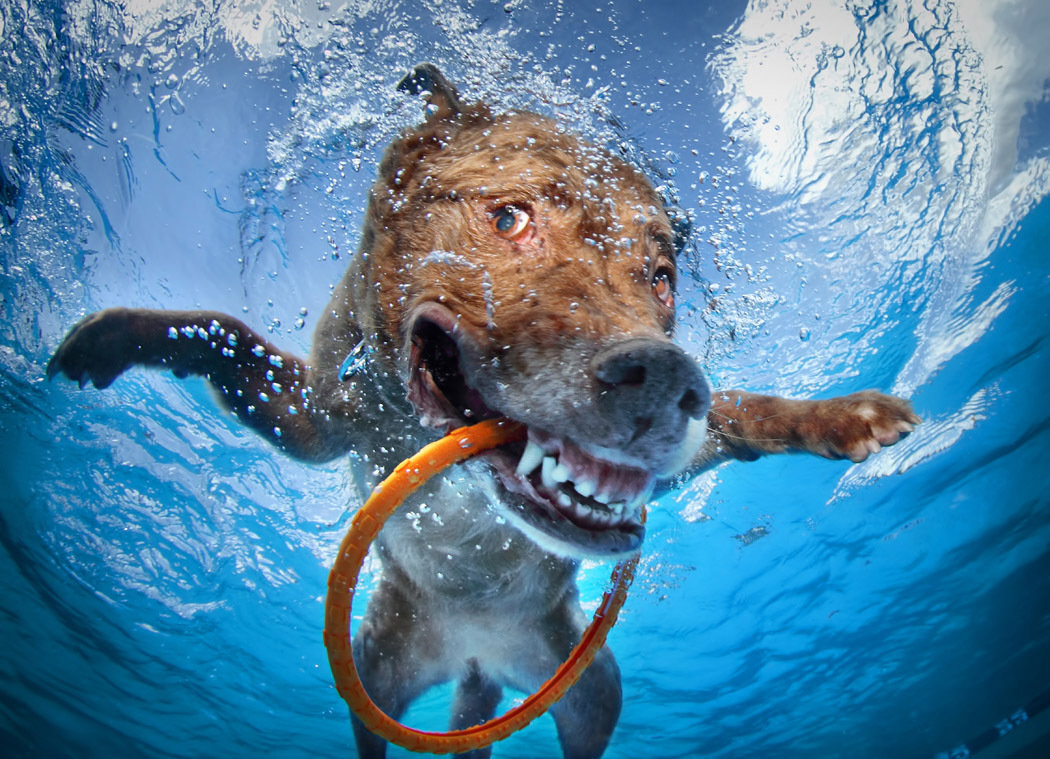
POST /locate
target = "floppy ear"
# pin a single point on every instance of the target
(443, 100)
(681, 224)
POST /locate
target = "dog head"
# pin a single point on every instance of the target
(511, 269)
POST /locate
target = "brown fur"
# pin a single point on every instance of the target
(565, 328)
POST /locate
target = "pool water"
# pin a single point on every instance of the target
(868, 185)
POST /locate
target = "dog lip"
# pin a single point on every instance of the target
(437, 380)
(547, 473)
(590, 503)
(573, 529)
(436, 314)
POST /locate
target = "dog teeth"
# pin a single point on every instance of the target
(586, 488)
(547, 472)
(530, 459)
(608, 507)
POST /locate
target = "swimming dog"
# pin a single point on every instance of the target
(506, 268)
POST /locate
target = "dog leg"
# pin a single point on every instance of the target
(396, 657)
(746, 425)
(587, 714)
(477, 697)
(266, 388)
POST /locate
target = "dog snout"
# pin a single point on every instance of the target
(648, 388)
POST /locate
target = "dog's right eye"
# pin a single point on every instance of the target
(511, 223)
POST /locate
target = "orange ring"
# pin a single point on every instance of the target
(342, 581)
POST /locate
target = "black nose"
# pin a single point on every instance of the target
(648, 388)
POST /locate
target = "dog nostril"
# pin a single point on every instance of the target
(633, 375)
(690, 402)
(615, 373)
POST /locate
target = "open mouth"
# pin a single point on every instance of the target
(574, 498)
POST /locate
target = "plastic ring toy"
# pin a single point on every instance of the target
(342, 581)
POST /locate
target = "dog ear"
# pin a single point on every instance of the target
(681, 225)
(443, 100)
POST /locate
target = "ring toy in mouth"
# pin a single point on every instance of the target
(342, 581)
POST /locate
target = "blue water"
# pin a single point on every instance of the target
(869, 189)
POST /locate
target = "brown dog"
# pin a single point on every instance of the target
(506, 269)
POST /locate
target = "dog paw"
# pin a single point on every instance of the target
(855, 426)
(97, 350)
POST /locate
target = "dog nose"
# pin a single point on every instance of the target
(648, 387)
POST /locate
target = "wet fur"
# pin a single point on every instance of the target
(545, 328)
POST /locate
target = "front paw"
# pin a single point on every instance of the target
(98, 349)
(858, 425)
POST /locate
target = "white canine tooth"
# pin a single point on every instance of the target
(547, 472)
(586, 488)
(560, 473)
(530, 459)
(564, 500)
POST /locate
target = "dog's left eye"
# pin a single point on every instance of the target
(511, 223)
(663, 286)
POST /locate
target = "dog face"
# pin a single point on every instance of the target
(510, 269)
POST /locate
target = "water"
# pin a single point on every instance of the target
(869, 185)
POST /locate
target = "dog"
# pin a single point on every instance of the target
(506, 268)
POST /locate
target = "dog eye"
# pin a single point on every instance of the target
(663, 286)
(511, 223)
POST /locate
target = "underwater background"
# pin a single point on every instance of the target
(868, 187)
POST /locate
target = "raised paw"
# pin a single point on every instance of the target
(98, 349)
(858, 425)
